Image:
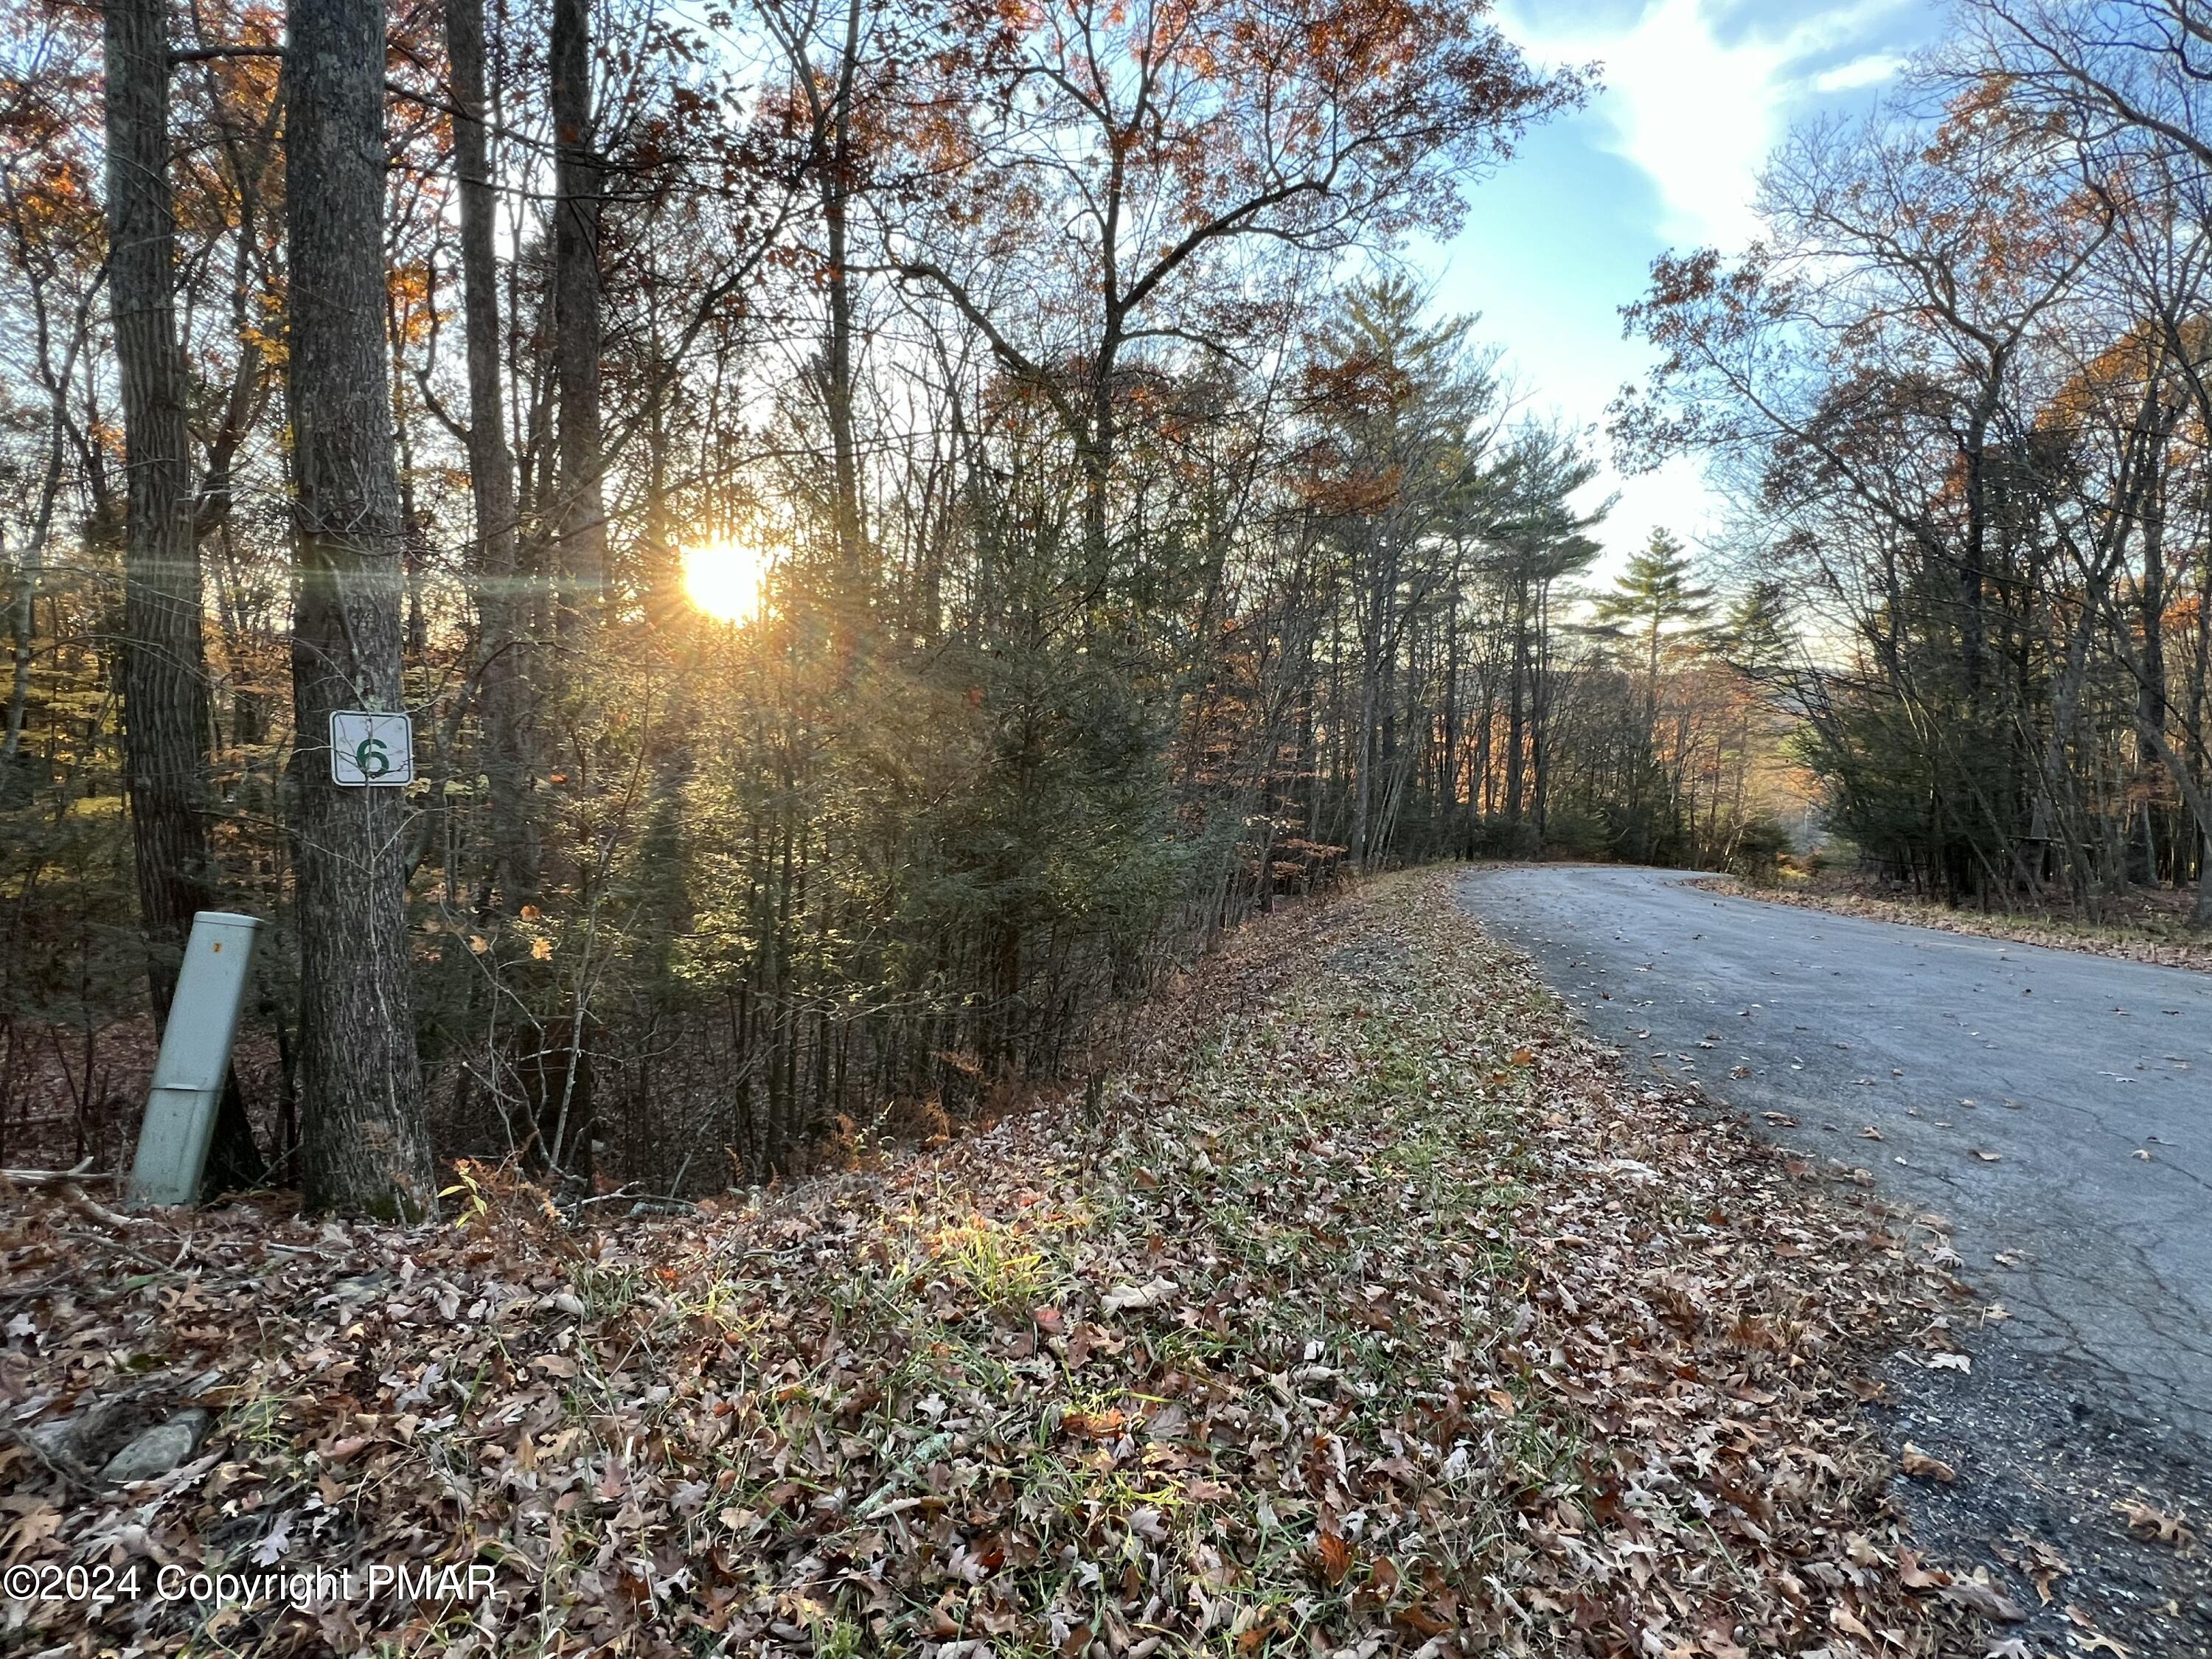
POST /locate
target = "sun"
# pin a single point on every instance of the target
(726, 579)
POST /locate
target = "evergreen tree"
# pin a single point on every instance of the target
(1660, 604)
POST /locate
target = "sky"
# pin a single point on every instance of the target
(1697, 93)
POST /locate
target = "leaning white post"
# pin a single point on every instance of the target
(188, 1078)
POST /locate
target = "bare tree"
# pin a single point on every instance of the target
(1162, 148)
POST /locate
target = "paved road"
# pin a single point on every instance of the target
(2056, 1107)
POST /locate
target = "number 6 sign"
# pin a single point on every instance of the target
(371, 750)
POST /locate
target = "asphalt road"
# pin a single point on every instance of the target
(2056, 1107)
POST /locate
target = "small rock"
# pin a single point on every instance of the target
(159, 1449)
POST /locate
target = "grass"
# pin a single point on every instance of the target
(1340, 1331)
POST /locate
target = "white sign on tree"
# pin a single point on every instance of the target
(370, 749)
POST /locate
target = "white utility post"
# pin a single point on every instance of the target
(188, 1078)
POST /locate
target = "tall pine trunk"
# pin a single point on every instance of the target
(577, 322)
(165, 702)
(837, 196)
(366, 1148)
(502, 616)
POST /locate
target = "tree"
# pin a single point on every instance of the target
(830, 96)
(1133, 560)
(56, 251)
(1659, 607)
(1404, 411)
(578, 325)
(365, 1148)
(165, 683)
(1658, 603)
(1110, 175)
(502, 616)
(2126, 91)
(1535, 540)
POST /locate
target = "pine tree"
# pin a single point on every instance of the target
(1658, 602)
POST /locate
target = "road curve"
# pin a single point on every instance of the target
(2057, 1108)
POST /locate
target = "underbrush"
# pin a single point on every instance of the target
(1379, 1311)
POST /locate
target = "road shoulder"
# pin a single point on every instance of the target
(2078, 1500)
(2168, 947)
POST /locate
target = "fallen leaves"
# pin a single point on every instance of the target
(1921, 1466)
(2094, 1640)
(2043, 1566)
(1388, 1314)
(2155, 1525)
(1130, 1298)
(1332, 1558)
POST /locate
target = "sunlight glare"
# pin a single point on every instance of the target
(726, 579)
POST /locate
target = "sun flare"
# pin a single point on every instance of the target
(726, 579)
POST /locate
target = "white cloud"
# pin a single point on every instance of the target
(1868, 71)
(1696, 98)
(1699, 113)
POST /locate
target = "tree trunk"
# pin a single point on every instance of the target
(21, 616)
(582, 567)
(836, 194)
(1539, 716)
(165, 724)
(662, 559)
(502, 640)
(365, 1148)
(2151, 683)
(2200, 915)
(1515, 716)
(1973, 563)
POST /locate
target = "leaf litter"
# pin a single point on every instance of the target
(1383, 1312)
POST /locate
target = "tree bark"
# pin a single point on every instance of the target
(165, 702)
(577, 323)
(2151, 685)
(503, 637)
(366, 1148)
(837, 196)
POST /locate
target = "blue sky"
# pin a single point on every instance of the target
(1697, 93)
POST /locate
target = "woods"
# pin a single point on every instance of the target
(938, 770)
(897, 526)
(1960, 390)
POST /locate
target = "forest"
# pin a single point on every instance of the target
(896, 526)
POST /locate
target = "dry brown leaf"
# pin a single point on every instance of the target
(1135, 1298)
(1332, 1556)
(1363, 1327)
(1922, 1467)
(2149, 1522)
